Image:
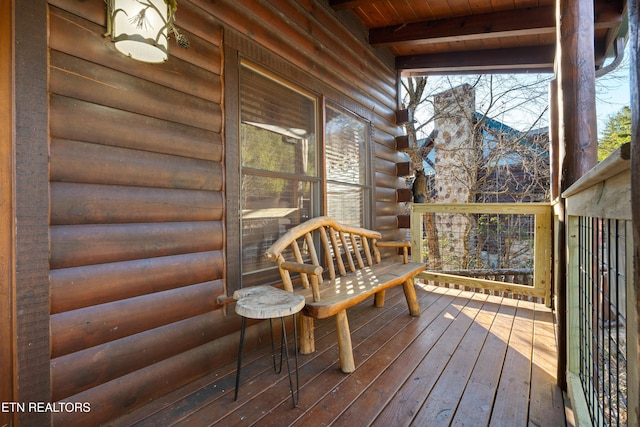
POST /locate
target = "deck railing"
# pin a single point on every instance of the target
(600, 299)
(500, 248)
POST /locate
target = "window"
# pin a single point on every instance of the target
(347, 163)
(279, 163)
(282, 183)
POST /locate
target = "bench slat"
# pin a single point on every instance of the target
(367, 250)
(327, 250)
(347, 252)
(356, 250)
(336, 252)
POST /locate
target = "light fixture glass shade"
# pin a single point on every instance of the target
(140, 28)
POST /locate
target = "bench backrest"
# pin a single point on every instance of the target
(343, 248)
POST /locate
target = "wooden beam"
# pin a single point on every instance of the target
(510, 23)
(576, 91)
(615, 164)
(536, 58)
(403, 169)
(608, 14)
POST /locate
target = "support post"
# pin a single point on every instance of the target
(576, 91)
(576, 102)
(554, 146)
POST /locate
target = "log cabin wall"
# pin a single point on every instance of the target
(137, 208)
(138, 187)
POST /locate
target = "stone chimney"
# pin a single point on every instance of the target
(454, 162)
(453, 143)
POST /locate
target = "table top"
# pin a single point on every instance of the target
(267, 302)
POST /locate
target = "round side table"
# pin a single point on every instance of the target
(267, 302)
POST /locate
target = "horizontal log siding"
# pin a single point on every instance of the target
(89, 368)
(78, 287)
(76, 330)
(137, 209)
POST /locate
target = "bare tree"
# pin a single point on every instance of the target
(415, 89)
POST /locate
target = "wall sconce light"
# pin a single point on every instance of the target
(140, 28)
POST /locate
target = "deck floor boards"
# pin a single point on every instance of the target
(468, 360)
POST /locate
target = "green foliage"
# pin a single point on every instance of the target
(616, 132)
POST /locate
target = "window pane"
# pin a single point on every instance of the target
(266, 150)
(278, 158)
(277, 126)
(346, 137)
(346, 203)
(348, 188)
(270, 206)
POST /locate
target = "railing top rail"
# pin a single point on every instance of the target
(483, 208)
(616, 163)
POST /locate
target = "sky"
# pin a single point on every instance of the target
(612, 93)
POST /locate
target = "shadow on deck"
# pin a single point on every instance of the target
(469, 359)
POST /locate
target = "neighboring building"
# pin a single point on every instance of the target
(492, 162)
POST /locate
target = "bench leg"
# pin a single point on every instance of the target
(306, 340)
(379, 299)
(412, 299)
(347, 364)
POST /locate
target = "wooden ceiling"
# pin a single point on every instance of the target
(464, 36)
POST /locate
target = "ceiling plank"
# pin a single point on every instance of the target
(537, 59)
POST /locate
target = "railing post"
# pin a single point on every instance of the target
(415, 223)
(542, 254)
(574, 383)
(633, 370)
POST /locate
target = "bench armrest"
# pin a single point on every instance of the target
(394, 244)
(405, 245)
(313, 271)
(302, 268)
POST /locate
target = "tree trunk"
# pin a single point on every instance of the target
(435, 262)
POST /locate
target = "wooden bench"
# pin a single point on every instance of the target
(351, 272)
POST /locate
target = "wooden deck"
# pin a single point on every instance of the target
(469, 359)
